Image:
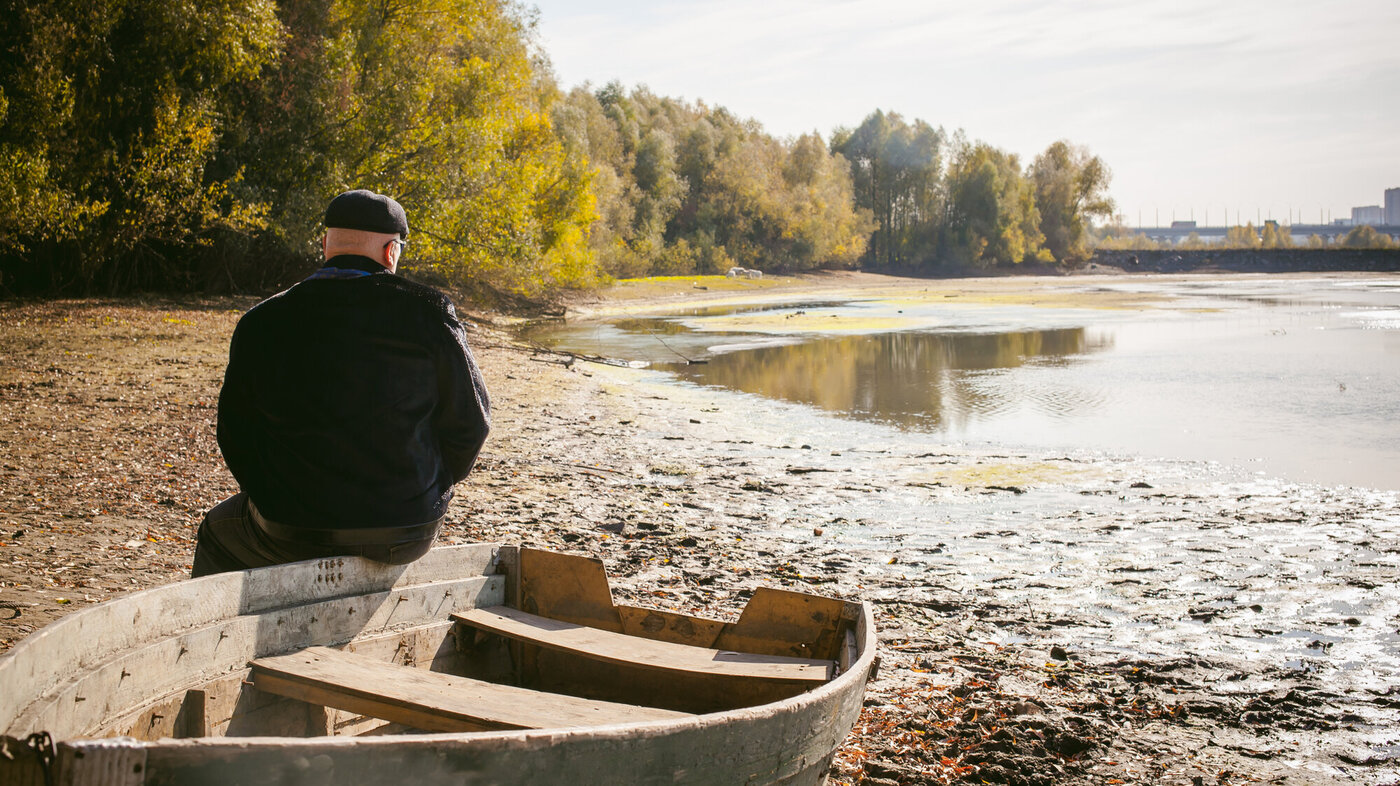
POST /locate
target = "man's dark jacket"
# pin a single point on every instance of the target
(352, 402)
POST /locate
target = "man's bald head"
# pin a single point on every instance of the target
(379, 246)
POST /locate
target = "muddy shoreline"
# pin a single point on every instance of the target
(989, 674)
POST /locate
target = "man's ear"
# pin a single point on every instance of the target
(390, 252)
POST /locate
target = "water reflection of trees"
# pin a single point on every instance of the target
(906, 377)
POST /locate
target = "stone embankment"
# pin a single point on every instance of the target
(1248, 260)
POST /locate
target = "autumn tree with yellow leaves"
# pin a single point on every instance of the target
(148, 144)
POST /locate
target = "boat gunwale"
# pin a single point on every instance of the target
(42, 657)
(245, 597)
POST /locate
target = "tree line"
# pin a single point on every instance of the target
(684, 188)
(945, 201)
(146, 144)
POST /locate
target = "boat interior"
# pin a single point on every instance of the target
(534, 641)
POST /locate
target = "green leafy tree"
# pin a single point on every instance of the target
(113, 111)
(440, 103)
(588, 125)
(992, 216)
(685, 188)
(660, 187)
(157, 144)
(776, 205)
(1071, 189)
(897, 171)
(629, 142)
(827, 228)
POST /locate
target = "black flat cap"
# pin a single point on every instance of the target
(366, 211)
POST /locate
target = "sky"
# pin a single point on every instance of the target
(1208, 110)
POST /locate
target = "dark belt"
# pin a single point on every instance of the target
(351, 536)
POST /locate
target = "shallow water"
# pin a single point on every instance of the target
(1267, 587)
(1285, 377)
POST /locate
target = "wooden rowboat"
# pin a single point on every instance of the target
(480, 664)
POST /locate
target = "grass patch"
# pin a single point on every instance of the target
(803, 323)
(677, 286)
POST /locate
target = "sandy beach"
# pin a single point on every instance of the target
(1006, 603)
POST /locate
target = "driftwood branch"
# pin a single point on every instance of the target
(542, 354)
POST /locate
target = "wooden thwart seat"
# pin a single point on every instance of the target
(617, 648)
(430, 700)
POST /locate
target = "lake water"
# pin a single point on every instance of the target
(1297, 378)
(1181, 474)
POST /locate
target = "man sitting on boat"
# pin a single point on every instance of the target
(350, 408)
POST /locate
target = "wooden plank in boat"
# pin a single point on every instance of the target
(669, 626)
(430, 700)
(618, 648)
(567, 587)
(783, 622)
(849, 652)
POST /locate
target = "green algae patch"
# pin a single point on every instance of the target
(663, 294)
(999, 292)
(677, 286)
(1011, 475)
(800, 322)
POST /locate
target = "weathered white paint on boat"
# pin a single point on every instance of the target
(116, 663)
(86, 640)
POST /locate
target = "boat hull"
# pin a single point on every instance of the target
(126, 668)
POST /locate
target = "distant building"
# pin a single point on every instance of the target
(1370, 214)
(1392, 207)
